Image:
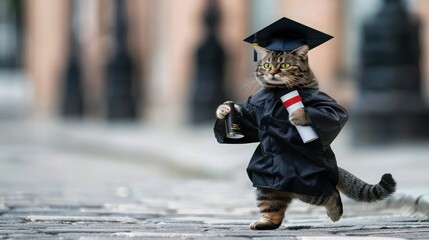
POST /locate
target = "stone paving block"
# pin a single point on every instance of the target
(346, 238)
(103, 237)
(4, 220)
(275, 238)
(79, 231)
(175, 235)
(28, 226)
(37, 218)
(16, 231)
(79, 236)
(130, 208)
(41, 212)
(32, 237)
(214, 220)
(135, 215)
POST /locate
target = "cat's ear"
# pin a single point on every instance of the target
(301, 52)
(261, 52)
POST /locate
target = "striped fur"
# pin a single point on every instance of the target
(273, 204)
(359, 190)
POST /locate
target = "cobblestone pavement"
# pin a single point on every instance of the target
(59, 193)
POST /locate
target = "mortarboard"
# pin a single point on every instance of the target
(287, 35)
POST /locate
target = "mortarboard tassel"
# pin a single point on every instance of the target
(255, 43)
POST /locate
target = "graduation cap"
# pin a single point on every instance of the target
(287, 35)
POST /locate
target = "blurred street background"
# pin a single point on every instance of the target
(107, 109)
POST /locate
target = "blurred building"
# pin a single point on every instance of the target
(163, 36)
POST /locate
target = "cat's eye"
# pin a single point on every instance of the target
(267, 65)
(285, 65)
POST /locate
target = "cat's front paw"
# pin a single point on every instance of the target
(300, 117)
(223, 110)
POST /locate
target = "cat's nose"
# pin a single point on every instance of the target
(274, 71)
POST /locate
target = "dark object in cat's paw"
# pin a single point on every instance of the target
(263, 225)
(299, 117)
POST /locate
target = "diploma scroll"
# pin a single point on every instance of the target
(292, 101)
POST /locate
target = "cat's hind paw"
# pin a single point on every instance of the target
(263, 224)
(334, 207)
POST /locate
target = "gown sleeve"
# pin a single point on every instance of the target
(246, 121)
(327, 118)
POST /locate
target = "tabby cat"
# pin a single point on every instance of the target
(291, 70)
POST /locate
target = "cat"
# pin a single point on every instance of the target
(291, 70)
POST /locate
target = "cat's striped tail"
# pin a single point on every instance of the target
(359, 190)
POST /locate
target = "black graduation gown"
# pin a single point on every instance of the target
(282, 161)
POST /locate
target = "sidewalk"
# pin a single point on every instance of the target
(97, 181)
